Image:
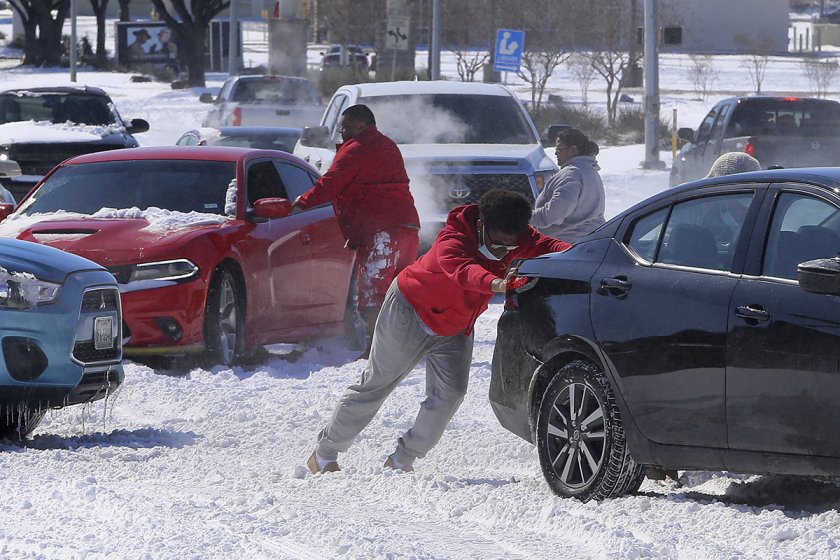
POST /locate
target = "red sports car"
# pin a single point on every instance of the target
(202, 241)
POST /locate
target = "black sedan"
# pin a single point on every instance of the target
(699, 329)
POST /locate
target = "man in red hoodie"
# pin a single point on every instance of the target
(368, 185)
(429, 312)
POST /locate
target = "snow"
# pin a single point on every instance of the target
(210, 463)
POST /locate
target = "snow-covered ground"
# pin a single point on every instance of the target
(210, 463)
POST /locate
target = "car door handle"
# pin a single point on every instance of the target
(616, 285)
(752, 313)
(305, 239)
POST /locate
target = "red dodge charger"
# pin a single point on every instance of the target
(202, 241)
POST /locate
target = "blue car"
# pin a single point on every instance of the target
(60, 333)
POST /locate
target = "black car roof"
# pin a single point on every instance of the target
(827, 177)
(60, 89)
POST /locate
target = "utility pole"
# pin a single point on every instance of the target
(73, 50)
(435, 46)
(651, 87)
(233, 56)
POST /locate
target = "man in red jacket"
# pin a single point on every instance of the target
(429, 312)
(368, 185)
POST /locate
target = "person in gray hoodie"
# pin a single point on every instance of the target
(572, 202)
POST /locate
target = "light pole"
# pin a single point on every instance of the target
(435, 46)
(233, 57)
(651, 88)
(73, 53)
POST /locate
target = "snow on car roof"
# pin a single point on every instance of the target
(428, 87)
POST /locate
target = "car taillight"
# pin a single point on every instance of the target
(517, 285)
(237, 117)
(749, 149)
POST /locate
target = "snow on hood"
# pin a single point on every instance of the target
(48, 132)
(160, 220)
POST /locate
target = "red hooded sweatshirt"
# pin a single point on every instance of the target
(449, 287)
(368, 185)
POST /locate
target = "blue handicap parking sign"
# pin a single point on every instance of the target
(508, 55)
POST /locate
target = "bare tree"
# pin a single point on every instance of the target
(820, 74)
(703, 74)
(100, 8)
(755, 65)
(42, 23)
(191, 31)
(125, 14)
(537, 68)
(469, 63)
(580, 65)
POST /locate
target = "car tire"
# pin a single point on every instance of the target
(17, 424)
(580, 437)
(224, 322)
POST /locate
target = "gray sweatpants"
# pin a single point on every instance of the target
(400, 341)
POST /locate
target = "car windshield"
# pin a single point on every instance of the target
(451, 119)
(271, 90)
(177, 185)
(79, 108)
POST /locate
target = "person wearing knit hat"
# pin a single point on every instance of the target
(733, 162)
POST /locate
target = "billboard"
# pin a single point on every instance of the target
(145, 42)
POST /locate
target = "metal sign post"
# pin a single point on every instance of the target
(396, 38)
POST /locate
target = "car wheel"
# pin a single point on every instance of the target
(580, 437)
(17, 424)
(224, 323)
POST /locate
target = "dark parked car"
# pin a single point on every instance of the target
(263, 137)
(85, 121)
(355, 56)
(684, 333)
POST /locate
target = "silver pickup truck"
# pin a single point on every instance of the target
(784, 131)
(263, 100)
(458, 139)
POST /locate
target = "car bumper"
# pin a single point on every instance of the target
(48, 355)
(164, 320)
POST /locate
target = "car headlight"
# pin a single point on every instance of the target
(4, 152)
(24, 291)
(542, 177)
(174, 270)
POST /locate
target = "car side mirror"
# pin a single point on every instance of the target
(5, 210)
(686, 134)
(820, 276)
(270, 208)
(315, 137)
(206, 97)
(9, 168)
(137, 126)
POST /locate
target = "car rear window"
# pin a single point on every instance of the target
(273, 91)
(808, 117)
(177, 185)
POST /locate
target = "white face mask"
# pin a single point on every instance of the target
(484, 249)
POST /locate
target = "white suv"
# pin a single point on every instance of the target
(459, 140)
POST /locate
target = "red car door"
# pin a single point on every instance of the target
(328, 282)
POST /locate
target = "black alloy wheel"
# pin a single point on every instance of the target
(580, 438)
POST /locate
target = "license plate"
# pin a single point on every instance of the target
(103, 333)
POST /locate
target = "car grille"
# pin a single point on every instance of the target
(102, 301)
(99, 300)
(467, 189)
(38, 159)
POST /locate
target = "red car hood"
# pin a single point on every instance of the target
(105, 241)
